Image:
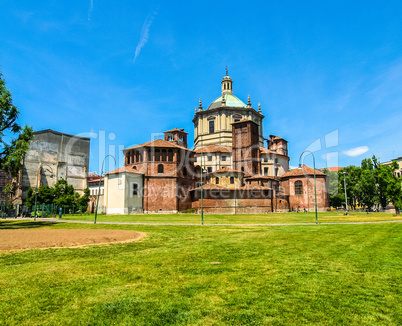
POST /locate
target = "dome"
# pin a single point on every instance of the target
(231, 101)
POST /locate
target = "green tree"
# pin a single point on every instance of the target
(64, 194)
(353, 190)
(83, 201)
(14, 140)
(336, 198)
(390, 183)
(368, 188)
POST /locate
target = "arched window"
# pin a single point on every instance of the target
(217, 180)
(298, 188)
(160, 168)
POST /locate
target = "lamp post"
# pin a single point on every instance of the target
(39, 174)
(202, 196)
(346, 195)
(315, 185)
(100, 179)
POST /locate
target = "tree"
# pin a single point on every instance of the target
(336, 198)
(64, 194)
(83, 201)
(14, 140)
(368, 188)
(352, 178)
(390, 183)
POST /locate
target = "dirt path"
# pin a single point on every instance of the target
(48, 238)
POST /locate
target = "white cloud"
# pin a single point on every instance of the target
(91, 8)
(144, 34)
(356, 151)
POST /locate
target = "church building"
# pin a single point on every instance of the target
(238, 169)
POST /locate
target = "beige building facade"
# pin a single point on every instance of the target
(213, 126)
(124, 192)
(213, 134)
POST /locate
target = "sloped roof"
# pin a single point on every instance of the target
(259, 177)
(177, 130)
(226, 170)
(158, 143)
(273, 137)
(267, 151)
(123, 170)
(214, 149)
(254, 187)
(211, 186)
(332, 168)
(302, 171)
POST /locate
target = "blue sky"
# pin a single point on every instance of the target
(323, 71)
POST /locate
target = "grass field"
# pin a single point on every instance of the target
(276, 275)
(326, 217)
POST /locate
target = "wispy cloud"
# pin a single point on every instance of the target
(91, 8)
(144, 33)
(356, 151)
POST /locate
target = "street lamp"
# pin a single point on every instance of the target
(39, 173)
(100, 179)
(202, 196)
(346, 195)
(315, 185)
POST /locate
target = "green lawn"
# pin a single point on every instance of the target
(276, 275)
(239, 218)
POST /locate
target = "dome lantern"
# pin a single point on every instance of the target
(227, 84)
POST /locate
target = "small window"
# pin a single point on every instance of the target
(209, 170)
(170, 138)
(211, 127)
(252, 194)
(276, 172)
(160, 168)
(266, 193)
(298, 188)
(236, 119)
(185, 172)
(265, 159)
(217, 180)
(265, 171)
(135, 189)
(224, 158)
(209, 158)
(242, 169)
(232, 180)
(181, 138)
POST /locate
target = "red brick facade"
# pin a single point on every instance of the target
(170, 178)
(168, 171)
(246, 149)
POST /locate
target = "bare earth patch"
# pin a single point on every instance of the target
(49, 238)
